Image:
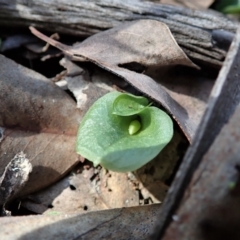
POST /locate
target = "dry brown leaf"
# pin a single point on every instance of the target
(38, 119)
(127, 223)
(145, 45)
(75, 194)
(79, 193)
(84, 88)
(189, 88)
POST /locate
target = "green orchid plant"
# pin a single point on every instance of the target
(122, 132)
(228, 6)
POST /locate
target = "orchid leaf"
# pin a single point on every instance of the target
(104, 138)
(128, 104)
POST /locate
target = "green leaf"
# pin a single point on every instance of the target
(228, 6)
(235, 9)
(104, 138)
(128, 104)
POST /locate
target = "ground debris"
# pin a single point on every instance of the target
(15, 176)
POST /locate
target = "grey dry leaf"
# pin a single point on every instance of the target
(147, 44)
(190, 89)
(125, 223)
(82, 85)
(80, 193)
(38, 119)
(63, 199)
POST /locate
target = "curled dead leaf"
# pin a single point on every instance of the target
(121, 223)
(142, 45)
(38, 119)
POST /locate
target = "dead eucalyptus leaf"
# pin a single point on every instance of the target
(189, 88)
(75, 194)
(38, 119)
(144, 45)
(89, 190)
(125, 223)
(84, 89)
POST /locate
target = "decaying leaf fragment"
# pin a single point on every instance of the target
(142, 46)
(121, 223)
(14, 178)
(39, 119)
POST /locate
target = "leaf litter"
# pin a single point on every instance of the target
(133, 222)
(147, 43)
(104, 188)
(40, 120)
(13, 179)
(101, 189)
